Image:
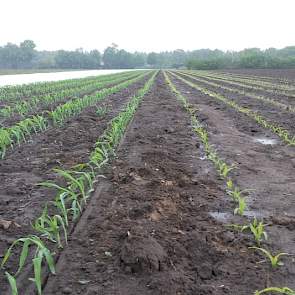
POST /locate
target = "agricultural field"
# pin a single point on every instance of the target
(158, 182)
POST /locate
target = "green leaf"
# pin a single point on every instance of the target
(37, 271)
(12, 283)
(23, 255)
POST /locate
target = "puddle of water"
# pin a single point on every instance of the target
(253, 213)
(266, 141)
(226, 216)
(221, 216)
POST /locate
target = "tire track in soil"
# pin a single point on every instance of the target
(20, 199)
(149, 232)
(268, 169)
(274, 114)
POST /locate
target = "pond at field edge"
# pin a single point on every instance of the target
(54, 76)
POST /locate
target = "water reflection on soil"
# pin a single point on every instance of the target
(266, 141)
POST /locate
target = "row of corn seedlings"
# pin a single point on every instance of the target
(255, 84)
(255, 227)
(24, 107)
(280, 131)
(271, 79)
(14, 93)
(262, 98)
(271, 82)
(24, 129)
(70, 198)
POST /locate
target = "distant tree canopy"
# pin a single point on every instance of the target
(78, 59)
(25, 55)
(247, 58)
(113, 58)
(13, 56)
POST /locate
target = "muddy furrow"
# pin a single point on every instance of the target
(149, 230)
(21, 199)
(267, 169)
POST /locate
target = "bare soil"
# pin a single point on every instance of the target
(156, 224)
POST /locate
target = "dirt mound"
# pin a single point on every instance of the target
(142, 253)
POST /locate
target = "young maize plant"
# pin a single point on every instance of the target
(284, 291)
(274, 259)
(281, 132)
(258, 231)
(41, 253)
(257, 228)
(23, 129)
(49, 227)
(72, 196)
(262, 98)
(241, 206)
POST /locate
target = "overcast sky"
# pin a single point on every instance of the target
(149, 25)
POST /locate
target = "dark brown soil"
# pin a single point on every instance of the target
(148, 228)
(21, 200)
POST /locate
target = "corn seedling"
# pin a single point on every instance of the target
(49, 227)
(41, 253)
(257, 229)
(241, 206)
(224, 169)
(235, 192)
(68, 194)
(274, 259)
(60, 204)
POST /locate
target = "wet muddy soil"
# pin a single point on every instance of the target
(156, 223)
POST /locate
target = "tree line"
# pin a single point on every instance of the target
(25, 56)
